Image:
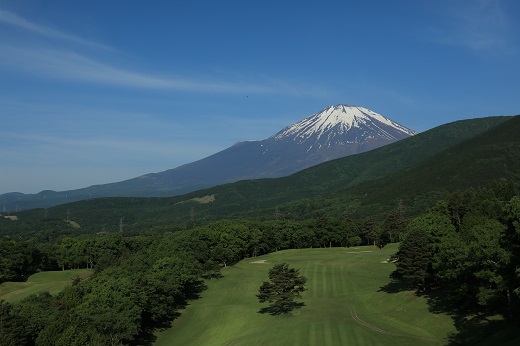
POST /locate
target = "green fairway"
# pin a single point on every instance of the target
(52, 282)
(343, 305)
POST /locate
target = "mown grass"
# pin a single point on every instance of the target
(52, 281)
(344, 305)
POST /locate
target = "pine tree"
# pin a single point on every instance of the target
(284, 286)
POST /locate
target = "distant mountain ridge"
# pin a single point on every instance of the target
(334, 132)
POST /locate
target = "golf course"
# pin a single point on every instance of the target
(52, 281)
(344, 304)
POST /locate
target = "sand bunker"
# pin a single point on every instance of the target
(260, 262)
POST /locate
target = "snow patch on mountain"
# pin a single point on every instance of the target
(336, 121)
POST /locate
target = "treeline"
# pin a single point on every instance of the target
(468, 247)
(226, 241)
(140, 282)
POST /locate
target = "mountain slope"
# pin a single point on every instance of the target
(419, 170)
(492, 155)
(333, 187)
(334, 132)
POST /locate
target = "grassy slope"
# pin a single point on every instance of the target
(52, 282)
(344, 306)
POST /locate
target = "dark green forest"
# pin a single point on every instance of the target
(455, 211)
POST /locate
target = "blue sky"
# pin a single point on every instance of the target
(101, 91)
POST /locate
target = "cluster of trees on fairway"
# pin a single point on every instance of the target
(468, 246)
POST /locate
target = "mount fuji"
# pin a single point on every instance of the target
(334, 132)
(341, 130)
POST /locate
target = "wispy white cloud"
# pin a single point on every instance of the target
(12, 19)
(62, 64)
(47, 61)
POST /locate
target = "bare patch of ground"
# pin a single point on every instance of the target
(202, 200)
(205, 199)
(73, 224)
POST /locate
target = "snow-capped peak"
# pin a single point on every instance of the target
(340, 119)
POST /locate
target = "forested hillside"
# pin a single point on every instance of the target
(492, 155)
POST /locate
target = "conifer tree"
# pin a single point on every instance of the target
(284, 286)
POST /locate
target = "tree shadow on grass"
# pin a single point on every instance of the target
(147, 335)
(275, 310)
(145, 339)
(396, 285)
(483, 330)
(472, 328)
(213, 275)
(193, 291)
